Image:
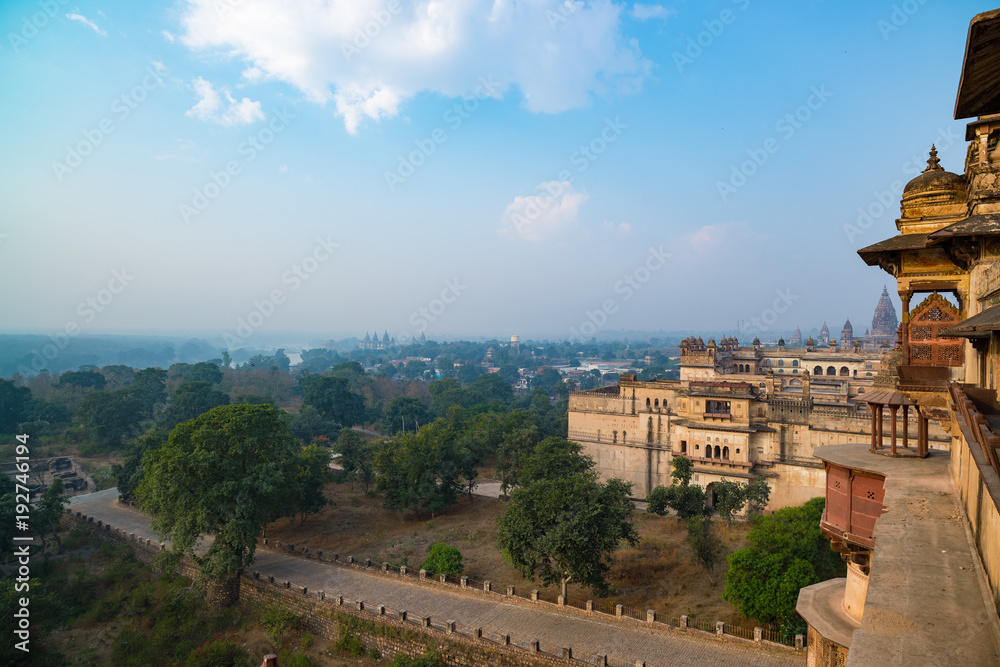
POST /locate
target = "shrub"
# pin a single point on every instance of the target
(288, 659)
(277, 620)
(443, 559)
(350, 644)
(429, 659)
(223, 652)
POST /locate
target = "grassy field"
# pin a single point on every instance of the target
(657, 574)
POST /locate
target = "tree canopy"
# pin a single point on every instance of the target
(787, 551)
(685, 499)
(567, 530)
(222, 474)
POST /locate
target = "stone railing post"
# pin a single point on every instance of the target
(561, 601)
(567, 652)
(270, 660)
(505, 640)
(423, 574)
(385, 568)
(720, 628)
(799, 642)
(758, 634)
(402, 615)
(477, 633)
(650, 616)
(319, 554)
(380, 609)
(618, 610)
(590, 606)
(602, 660)
(402, 570)
(510, 590)
(534, 595)
(465, 581)
(487, 586)
(443, 578)
(425, 621)
(450, 627)
(684, 622)
(535, 646)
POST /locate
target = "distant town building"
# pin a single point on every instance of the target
(373, 342)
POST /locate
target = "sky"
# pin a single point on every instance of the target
(462, 168)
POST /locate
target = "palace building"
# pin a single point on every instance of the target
(737, 412)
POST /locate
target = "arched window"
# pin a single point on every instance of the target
(656, 404)
(708, 451)
(831, 370)
(845, 372)
(781, 362)
(795, 362)
(818, 370)
(795, 370)
(760, 412)
(725, 453)
(737, 450)
(861, 390)
(647, 403)
(718, 452)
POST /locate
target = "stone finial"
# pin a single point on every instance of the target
(933, 163)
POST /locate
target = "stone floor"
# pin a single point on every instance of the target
(523, 622)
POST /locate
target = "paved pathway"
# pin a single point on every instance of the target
(588, 636)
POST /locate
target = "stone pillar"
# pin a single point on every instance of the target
(618, 610)
(534, 595)
(380, 609)
(922, 440)
(385, 568)
(567, 653)
(464, 581)
(799, 642)
(590, 606)
(720, 628)
(443, 578)
(892, 412)
(758, 634)
(650, 616)
(535, 647)
(425, 621)
(402, 615)
(510, 590)
(402, 570)
(561, 601)
(487, 586)
(450, 627)
(684, 623)
(906, 421)
(904, 297)
(881, 426)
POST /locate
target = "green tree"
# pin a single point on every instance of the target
(204, 371)
(129, 472)
(787, 551)
(555, 458)
(420, 471)
(730, 497)
(467, 373)
(14, 402)
(758, 493)
(85, 379)
(357, 457)
(489, 388)
(333, 397)
(222, 474)
(48, 511)
(149, 386)
(192, 399)
(563, 530)
(111, 415)
(685, 499)
(520, 437)
(443, 559)
(404, 412)
(706, 546)
(312, 470)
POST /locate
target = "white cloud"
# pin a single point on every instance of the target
(620, 228)
(538, 217)
(642, 12)
(368, 61)
(167, 35)
(80, 18)
(230, 112)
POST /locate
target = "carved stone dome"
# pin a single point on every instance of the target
(934, 179)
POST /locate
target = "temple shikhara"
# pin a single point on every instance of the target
(899, 429)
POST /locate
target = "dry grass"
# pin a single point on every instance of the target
(657, 574)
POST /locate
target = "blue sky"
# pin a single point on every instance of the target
(461, 168)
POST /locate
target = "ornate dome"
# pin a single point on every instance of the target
(756, 341)
(810, 342)
(934, 179)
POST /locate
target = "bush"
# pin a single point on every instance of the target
(223, 652)
(288, 659)
(443, 559)
(350, 644)
(276, 620)
(429, 659)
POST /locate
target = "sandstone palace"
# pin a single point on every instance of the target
(739, 412)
